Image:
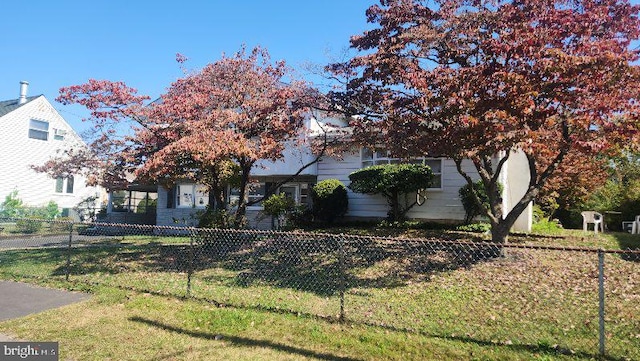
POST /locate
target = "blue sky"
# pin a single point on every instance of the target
(52, 44)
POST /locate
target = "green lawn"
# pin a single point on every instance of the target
(401, 300)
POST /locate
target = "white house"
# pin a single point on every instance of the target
(33, 132)
(442, 202)
(181, 203)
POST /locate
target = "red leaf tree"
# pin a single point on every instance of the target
(209, 125)
(484, 79)
(106, 160)
(240, 109)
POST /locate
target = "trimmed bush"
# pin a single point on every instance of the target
(330, 200)
(392, 181)
(278, 206)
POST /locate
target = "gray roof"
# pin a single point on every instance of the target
(7, 106)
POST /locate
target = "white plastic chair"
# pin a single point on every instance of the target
(635, 227)
(592, 217)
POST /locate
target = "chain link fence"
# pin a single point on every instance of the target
(575, 301)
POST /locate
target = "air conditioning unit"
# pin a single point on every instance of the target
(58, 134)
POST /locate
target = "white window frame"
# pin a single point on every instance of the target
(234, 195)
(369, 158)
(67, 185)
(35, 129)
(191, 195)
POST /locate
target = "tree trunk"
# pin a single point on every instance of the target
(500, 235)
(500, 232)
(394, 205)
(242, 202)
(216, 198)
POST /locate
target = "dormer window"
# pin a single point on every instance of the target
(38, 129)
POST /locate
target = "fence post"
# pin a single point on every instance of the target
(601, 301)
(68, 267)
(191, 256)
(342, 277)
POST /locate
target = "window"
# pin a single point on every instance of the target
(436, 168)
(64, 184)
(70, 184)
(58, 134)
(254, 193)
(304, 194)
(120, 201)
(191, 195)
(370, 158)
(134, 201)
(38, 129)
(291, 191)
(59, 184)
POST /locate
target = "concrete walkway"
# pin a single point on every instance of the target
(21, 299)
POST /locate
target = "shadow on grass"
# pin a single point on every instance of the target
(546, 349)
(627, 240)
(538, 348)
(242, 341)
(327, 264)
(320, 264)
(543, 349)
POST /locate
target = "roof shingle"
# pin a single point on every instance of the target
(7, 106)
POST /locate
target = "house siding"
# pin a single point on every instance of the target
(188, 216)
(516, 175)
(174, 216)
(441, 204)
(18, 152)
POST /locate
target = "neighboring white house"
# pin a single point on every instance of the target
(181, 203)
(32, 133)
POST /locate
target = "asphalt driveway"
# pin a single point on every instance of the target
(21, 299)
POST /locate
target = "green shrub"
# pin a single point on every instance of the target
(215, 218)
(147, 205)
(330, 200)
(542, 223)
(12, 206)
(400, 224)
(546, 226)
(277, 205)
(392, 181)
(475, 227)
(471, 208)
(51, 210)
(300, 216)
(28, 225)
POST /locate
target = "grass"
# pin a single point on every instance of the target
(402, 300)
